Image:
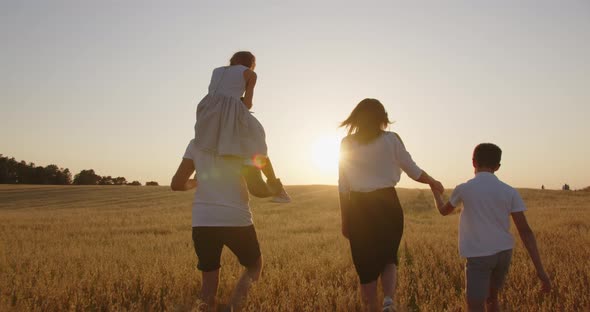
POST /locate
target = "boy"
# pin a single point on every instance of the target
(484, 229)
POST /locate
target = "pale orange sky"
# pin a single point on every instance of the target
(113, 85)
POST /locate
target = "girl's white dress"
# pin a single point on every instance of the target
(224, 124)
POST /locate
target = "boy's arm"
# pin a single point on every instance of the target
(528, 239)
(443, 208)
(181, 180)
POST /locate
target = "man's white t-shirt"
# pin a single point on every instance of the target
(221, 197)
(484, 227)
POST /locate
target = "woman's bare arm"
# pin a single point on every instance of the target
(344, 210)
(432, 182)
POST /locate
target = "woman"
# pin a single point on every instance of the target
(371, 162)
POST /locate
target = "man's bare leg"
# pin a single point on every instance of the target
(492, 304)
(209, 290)
(250, 275)
(475, 305)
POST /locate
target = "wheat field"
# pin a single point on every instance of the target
(129, 248)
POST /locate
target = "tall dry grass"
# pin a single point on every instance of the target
(129, 248)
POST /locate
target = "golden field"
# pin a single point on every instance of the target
(129, 248)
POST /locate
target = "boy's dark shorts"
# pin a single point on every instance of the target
(481, 273)
(209, 241)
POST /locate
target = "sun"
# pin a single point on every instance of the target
(325, 153)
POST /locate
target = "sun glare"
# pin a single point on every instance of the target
(324, 154)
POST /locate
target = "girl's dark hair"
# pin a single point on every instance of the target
(367, 120)
(487, 155)
(243, 58)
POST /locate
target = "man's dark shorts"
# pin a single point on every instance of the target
(209, 241)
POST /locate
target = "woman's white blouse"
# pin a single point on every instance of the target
(375, 165)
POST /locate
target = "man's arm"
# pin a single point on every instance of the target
(528, 239)
(443, 208)
(181, 180)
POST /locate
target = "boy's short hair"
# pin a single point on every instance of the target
(487, 155)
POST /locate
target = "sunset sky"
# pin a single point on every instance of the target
(113, 85)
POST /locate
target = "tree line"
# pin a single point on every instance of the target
(21, 172)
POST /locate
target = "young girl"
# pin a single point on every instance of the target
(226, 127)
(370, 166)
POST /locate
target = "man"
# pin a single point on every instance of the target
(220, 217)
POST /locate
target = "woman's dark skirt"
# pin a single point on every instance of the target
(376, 225)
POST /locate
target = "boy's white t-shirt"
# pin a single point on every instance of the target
(221, 197)
(484, 227)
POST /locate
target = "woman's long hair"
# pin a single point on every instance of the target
(245, 58)
(367, 120)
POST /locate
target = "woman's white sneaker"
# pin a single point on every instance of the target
(388, 305)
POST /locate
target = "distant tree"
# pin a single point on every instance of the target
(135, 183)
(106, 180)
(65, 177)
(51, 173)
(565, 187)
(8, 170)
(23, 173)
(151, 183)
(56, 175)
(87, 177)
(120, 181)
(38, 175)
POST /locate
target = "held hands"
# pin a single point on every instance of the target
(437, 190)
(436, 186)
